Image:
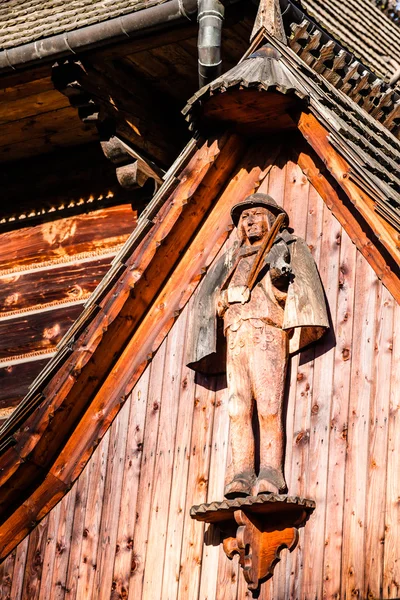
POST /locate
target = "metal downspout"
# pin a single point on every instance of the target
(210, 18)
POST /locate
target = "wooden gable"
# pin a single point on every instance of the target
(124, 529)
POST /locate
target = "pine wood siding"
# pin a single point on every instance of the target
(124, 530)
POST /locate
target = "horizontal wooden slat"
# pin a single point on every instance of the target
(59, 241)
(30, 106)
(37, 332)
(16, 379)
(40, 126)
(41, 288)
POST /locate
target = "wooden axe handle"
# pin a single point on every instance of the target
(264, 249)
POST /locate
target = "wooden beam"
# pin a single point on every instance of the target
(318, 138)
(366, 240)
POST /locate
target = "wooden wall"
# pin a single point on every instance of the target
(124, 530)
(47, 272)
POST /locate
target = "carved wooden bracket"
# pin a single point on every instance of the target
(104, 99)
(264, 524)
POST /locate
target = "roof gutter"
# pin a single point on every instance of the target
(98, 34)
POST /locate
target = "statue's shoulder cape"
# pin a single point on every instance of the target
(305, 315)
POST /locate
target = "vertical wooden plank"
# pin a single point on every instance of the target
(317, 467)
(215, 492)
(228, 577)
(34, 561)
(146, 475)
(193, 535)
(277, 179)
(339, 419)
(46, 590)
(93, 512)
(19, 569)
(111, 506)
(64, 541)
(295, 202)
(163, 469)
(69, 589)
(299, 405)
(391, 575)
(178, 507)
(6, 576)
(130, 486)
(353, 558)
(243, 592)
(378, 445)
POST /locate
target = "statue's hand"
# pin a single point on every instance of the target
(245, 295)
(222, 303)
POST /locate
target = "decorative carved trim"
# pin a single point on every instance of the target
(257, 528)
(347, 74)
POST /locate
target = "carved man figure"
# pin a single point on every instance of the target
(266, 312)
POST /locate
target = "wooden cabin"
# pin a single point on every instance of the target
(114, 211)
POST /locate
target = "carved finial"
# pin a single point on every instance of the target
(269, 16)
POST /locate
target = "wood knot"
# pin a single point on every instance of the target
(346, 353)
(301, 438)
(315, 409)
(300, 376)
(135, 562)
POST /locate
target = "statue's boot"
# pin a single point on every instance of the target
(240, 486)
(270, 481)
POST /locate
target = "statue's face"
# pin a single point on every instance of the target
(254, 223)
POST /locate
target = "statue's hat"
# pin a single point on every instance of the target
(258, 200)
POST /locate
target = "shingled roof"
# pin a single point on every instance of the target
(362, 28)
(24, 21)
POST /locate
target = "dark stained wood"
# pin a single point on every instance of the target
(251, 111)
(122, 96)
(58, 127)
(30, 106)
(64, 181)
(66, 240)
(42, 289)
(35, 332)
(15, 380)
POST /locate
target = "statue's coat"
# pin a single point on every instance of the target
(305, 315)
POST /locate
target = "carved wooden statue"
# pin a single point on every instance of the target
(265, 299)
